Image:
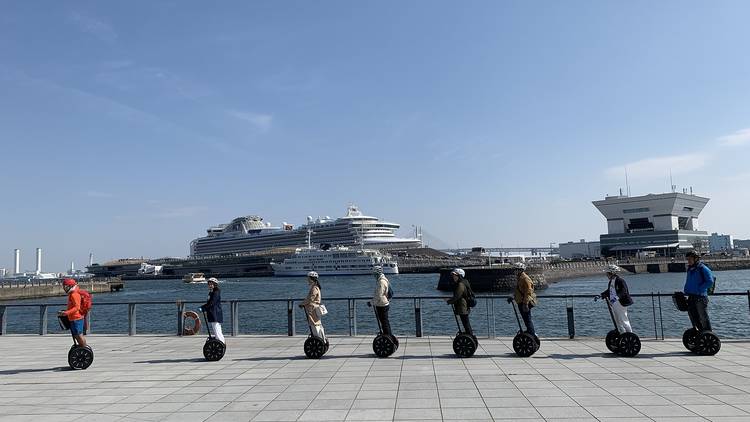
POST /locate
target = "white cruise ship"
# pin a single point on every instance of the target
(334, 261)
(251, 233)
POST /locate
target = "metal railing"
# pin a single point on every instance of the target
(351, 315)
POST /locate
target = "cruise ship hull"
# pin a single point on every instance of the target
(303, 273)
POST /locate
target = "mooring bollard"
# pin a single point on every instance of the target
(42, 320)
(180, 317)
(234, 311)
(418, 316)
(131, 319)
(571, 320)
(290, 317)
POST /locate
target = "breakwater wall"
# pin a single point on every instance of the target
(565, 270)
(52, 288)
(492, 279)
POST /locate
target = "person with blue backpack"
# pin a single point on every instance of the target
(381, 300)
(699, 281)
(463, 298)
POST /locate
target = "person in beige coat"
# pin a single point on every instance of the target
(311, 304)
(524, 296)
(381, 300)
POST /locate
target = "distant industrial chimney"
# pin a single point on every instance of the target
(72, 267)
(17, 265)
(91, 259)
(38, 261)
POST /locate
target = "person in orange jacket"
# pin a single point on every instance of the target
(74, 312)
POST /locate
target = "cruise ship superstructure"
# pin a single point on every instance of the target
(251, 233)
(335, 261)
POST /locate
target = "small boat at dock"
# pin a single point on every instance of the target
(194, 278)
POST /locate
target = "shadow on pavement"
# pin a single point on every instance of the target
(614, 356)
(172, 360)
(28, 371)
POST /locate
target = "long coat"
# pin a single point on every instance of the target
(311, 304)
(213, 307)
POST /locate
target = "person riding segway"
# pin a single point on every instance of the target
(465, 343)
(385, 343)
(316, 344)
(694, 299)
(215, 346)
(621, 340)
(525, 343)
(80, 355)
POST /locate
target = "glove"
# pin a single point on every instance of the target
(200, 309)
(510, 299)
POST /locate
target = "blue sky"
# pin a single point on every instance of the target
(128, 128)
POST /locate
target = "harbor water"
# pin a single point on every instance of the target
(730, 315)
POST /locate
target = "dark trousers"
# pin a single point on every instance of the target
(526, 315)
(467, 324)
(698, 312)
(385, 324)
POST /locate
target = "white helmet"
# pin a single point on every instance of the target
(212, 280)
(377, 270)
(520, 266)
(313, 274)
(459, 272)
(612, 269)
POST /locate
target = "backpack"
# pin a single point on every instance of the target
(712, 287)
(471, 300)
(389, 293)
(86, 301)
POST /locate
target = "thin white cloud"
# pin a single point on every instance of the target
(658, 167)
(100, 195)
(741, 137)
(93, 26)
(260, 121)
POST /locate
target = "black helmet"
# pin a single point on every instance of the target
(692, 254)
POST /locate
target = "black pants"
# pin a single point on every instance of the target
(385, 324)
(698, 312)
(526, 315)
(467, 324)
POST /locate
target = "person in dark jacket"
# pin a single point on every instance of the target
(461, 290)
(212, 308)
(699, 280)
(619, 297)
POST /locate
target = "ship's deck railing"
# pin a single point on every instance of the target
(487, 301)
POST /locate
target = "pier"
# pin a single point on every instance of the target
(12, 290)
(267, 378)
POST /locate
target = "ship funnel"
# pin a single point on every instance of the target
(38, 261)
(17, 262)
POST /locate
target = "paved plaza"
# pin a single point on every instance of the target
(155, 378)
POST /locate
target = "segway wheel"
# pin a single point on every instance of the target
(314, 348)
(708, 344)
(612, 341)
(80, 357)
(524, 345)
(214, 350)
(476, 341)
(383, 346)
(630, 345)
(464, 345)
(394, 339)
(327, 346)
(690, 339)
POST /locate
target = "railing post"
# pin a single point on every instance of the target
(290, 317)
(748, 298)
(131, 319)
(487, 303)
(234, 315)
(87, 323)
(352, 329)
(42, 320)
(661, 317)
(180, 317)
(4, 319)
(653, 310)
(571, 319)
(418, 316)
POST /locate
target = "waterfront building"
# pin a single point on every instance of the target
(720, 243)
(580, 250)
(660, 224)
(742, 243)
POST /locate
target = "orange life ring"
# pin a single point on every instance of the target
(196, 326)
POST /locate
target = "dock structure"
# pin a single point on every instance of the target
(267, 378)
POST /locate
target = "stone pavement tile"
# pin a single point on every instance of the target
(161, 407)
(231, 417)
(552, 401)
(157, 416)
(415, 394)
(244, 406)
(378, 394)
(650, 400)
(374, 404)
(100, 417)
(332, 404)
(679, 419)
(418, 403)
(278, 415)
(204, 406)
(126, 408)
(288, 405)
(710, 410)
(466, 413)
(370, 415)
(566, 412)
(188, 417)
(514, 413)
(501, 392)
(693, 399)
(257, 396)
(460, 402)
(418, 414)
(612, 411)
(323, 415)
(506, 402)
(664, 411)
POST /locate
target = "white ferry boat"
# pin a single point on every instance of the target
(334, 261)
(194, 278)
(251, 233)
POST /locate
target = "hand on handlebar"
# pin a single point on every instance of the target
(510, 299)
(369, 304)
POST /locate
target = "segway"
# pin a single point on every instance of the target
(315, 346)
(213, 349)
(702, 343)
(524, 344)
(79, 357)
(626, 344)
(383, 345)
(464, 344)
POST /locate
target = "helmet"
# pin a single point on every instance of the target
(313, 274)
(213, 280)
(612, 269)
(459, 272)
(69, 282)
(520, 266)
(692, 254)
(377, 270)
